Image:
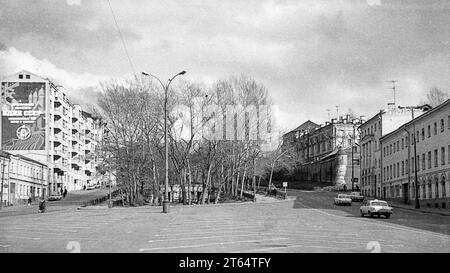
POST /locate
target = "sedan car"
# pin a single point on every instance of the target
(376, 207)
(342, 199)
(356, 197)
(54, 197)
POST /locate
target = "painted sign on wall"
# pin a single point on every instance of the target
(23, 116)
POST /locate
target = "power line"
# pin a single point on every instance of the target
(121, 38)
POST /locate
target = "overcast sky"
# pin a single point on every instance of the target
(311, 55)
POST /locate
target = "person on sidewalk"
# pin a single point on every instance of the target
(29, 201)
(65, 193)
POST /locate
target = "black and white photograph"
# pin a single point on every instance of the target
(225, 134)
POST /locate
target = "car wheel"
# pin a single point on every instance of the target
(371, 214)
(387, 216)
(362, 214)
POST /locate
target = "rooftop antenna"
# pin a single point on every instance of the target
(393, 88)
(337, 111)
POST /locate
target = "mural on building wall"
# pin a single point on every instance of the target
(23, 116)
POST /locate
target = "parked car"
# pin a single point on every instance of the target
(54, 197)
(90, 187)
(342, 199)
(376, 207)
(356, 196)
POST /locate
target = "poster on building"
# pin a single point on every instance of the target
(23, 115)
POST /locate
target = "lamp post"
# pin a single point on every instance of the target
(166, 147)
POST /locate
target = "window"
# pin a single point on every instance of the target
(27, 77)
(403, 168)
(398, 169)
(423, 134)
(435, 128)
(398, 145)
(407, 165)
(448, 122)
(423, 161)
(436, 189)
(417, 137)
(394, 172)
(429, 160)
(443, 187)
(448, 154)
(442, 125)
(429, 131)
(435, 158)
(20, 76)
(403, 143)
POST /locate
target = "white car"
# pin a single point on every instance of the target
(343, 199)
(376, 207)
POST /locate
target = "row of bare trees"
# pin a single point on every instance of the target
(221, 150)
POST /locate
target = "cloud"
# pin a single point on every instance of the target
(73, 2)
(76, 84)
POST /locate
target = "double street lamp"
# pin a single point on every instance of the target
(166, 147)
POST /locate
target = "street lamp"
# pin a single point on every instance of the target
(166, 147)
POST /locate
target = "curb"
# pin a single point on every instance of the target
(419, 210)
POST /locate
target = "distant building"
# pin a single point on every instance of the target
(39, 122)
(372, 130)
(432, 135)
(325, 151)
(22, 178)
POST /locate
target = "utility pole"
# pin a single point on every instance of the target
(411, 108)
(353, 168)
(3, 175)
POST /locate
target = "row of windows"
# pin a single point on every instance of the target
(424, 161)
(371, 130)
(34, 172)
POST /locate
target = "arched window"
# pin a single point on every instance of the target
(430, 189)
(436, 187)
(443, 187)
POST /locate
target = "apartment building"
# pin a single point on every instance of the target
(372, 130)
(22, 178)
(325, 152)
(431, 131)
(39, 122)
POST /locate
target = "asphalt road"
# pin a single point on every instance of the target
(408, 218)
(308, 223)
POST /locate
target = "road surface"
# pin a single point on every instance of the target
(308, 223)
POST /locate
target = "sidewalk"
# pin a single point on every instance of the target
(444, 212)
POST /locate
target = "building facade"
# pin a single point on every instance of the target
(39, 122)
(327, 153)
(22, 178)
(431, 133)
(372, 130)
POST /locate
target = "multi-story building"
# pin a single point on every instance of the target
(22, 178)
(325, 152)
(372, 130)
(39, 122)
(431, 131)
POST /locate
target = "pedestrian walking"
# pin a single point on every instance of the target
(29, 201)
(65, 193)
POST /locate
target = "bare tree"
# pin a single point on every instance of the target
(435, 96)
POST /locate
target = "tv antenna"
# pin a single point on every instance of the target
(337, 111)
